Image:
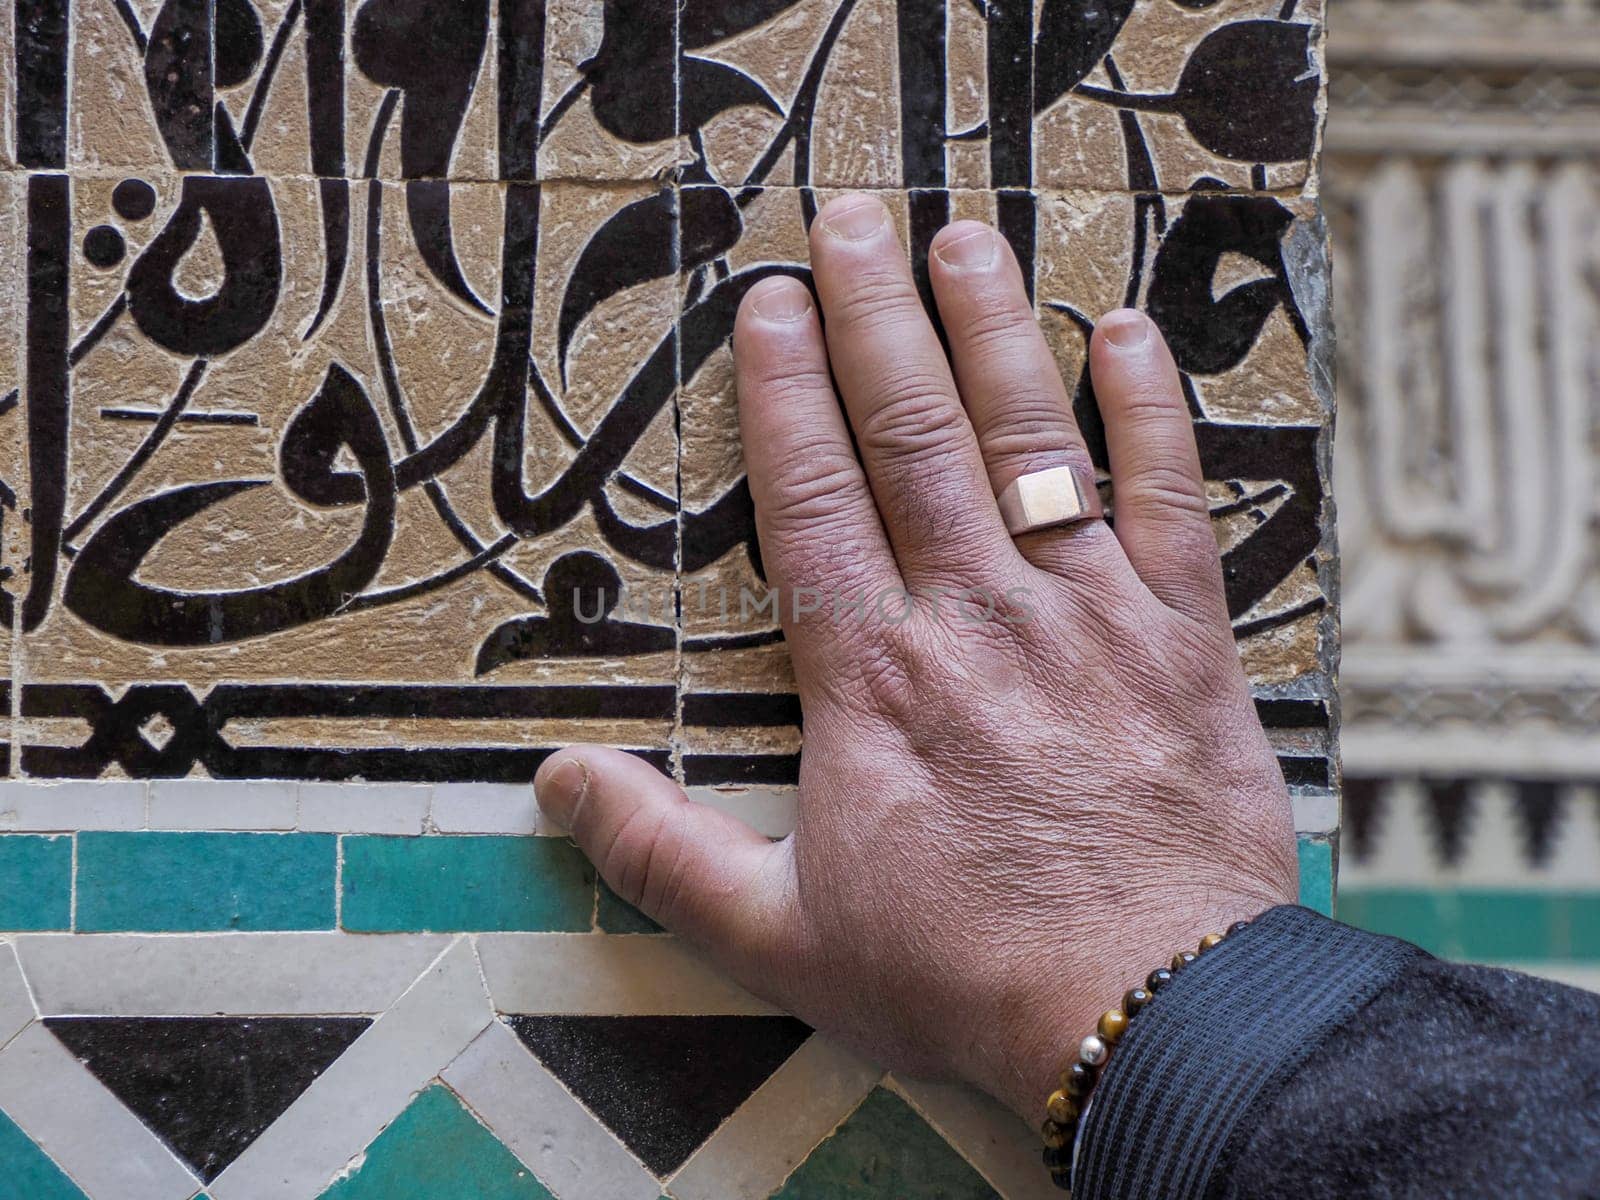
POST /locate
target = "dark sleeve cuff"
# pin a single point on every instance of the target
(1213, 1044)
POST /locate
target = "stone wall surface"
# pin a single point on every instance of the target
(1463, 196)
(353, 357)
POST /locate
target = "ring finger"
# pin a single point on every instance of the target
(1009, 382)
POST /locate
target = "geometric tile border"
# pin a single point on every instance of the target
(381, 808)
(438, 1026)
(437, 1001)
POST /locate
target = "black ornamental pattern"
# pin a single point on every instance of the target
(365, 403)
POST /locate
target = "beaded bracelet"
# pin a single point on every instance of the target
(1066, 1106)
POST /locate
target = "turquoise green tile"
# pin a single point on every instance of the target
(885, 1150)
(1316, 875)
(163, 882)
(437, 1150)
(616, 915)
(29, 1170)
(466, 883)
(35, 882)
(1482, 925)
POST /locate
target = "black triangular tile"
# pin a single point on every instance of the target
(662, 1084)
(208, 1086)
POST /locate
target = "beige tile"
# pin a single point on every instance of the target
(394, 626)
(111, 121)
(608, 116)
(1212, 121)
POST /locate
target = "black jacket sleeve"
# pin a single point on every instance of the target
(1305, 1059)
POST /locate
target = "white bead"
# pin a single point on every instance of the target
(1092, 1050)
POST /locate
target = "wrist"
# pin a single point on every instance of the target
(1041, 1025)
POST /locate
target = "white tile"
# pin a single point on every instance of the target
(366, 1087)
(776, 1130)
(599, 974)
(363, 807)
(531, 1112)
(992, 1138)
(487, 808)
(87, 1130)
(1315, 812)
(16, 1004)
(215, 804)
(768, 811)
(259, 974)
(64, 807)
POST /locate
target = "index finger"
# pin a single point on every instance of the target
(818, 525)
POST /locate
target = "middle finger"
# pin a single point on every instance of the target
(916, 443)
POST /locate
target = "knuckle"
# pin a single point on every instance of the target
(915, 416)
(887, 680)
(1152, 403)
(876, 298)
(1165, 489)
(998, 330)
(1031, 431)
(817, 483)
(789, 379)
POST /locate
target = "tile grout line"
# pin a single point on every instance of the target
(27, 990)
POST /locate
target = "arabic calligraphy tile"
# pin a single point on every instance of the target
(609, 93)
(392, 377)
(112, 119)
(308, 438)
(1227, 92)
(1231, 282)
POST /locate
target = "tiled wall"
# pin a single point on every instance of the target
(350, 350)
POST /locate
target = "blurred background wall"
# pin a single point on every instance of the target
(1463, 190)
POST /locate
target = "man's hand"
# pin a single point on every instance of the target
(1004, 822)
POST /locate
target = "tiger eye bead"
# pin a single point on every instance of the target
(1056, 1136)
(1058, 1161)
(1061, 1108)
(1210, 941)
(1237, 926)
(1077, 1080)
(1159, 978)
(1113, 1023)
(1134, 1000)
(1182, 959)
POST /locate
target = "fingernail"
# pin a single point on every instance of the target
(782, 300)
(1126, 329)
(856, 220)
(968, 252)
(560, 790)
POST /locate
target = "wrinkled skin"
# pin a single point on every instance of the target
(1005, 823)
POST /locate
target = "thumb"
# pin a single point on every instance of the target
(703, 874)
